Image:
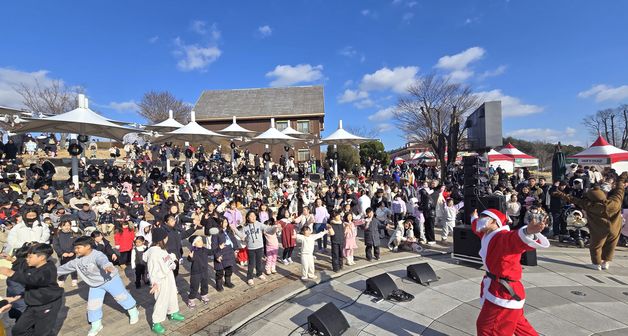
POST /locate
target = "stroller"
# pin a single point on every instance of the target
(575, 224)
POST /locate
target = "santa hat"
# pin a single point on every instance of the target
(498, 216)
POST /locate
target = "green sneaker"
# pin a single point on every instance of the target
(158, 329)
(177, 317)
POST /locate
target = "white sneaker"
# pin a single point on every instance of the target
(431, 243)
(95, 330)
(285, 262)
(290, 260)
(596, 267)
(606, 265)
(262, 277)
(74, 283)
(61, 283)
(304, 278)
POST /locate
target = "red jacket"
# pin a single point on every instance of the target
(124, 239)
(288, 238)
(501, 253)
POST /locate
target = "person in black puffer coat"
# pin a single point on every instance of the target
(224, 244)
(62, 244)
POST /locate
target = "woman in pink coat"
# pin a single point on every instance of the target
(350, 236)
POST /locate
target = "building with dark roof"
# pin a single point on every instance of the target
(301, 107)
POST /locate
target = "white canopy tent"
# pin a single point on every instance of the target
(602, 154)
(521, 159)
(169, 124)
(341, 136)
(497, 159)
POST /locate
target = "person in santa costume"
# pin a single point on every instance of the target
(502, 293)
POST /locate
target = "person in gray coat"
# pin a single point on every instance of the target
(372, 225)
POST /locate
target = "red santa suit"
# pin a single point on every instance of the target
(502, 293)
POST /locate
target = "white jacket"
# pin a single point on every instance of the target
(21, 234)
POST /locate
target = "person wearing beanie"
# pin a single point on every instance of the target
(161, 265)
(604, 215)
(502, 293)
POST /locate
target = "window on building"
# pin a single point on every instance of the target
(281, 125)
(303, 126)
(303, 155)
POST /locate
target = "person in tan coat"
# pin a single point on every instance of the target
(605, 219)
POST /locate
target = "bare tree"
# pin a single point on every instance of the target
(363, 131)
(612, 123)
(155, 106)
(48, 99)
(433, 113)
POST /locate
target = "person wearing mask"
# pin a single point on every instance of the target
(556, 205)
(26, 230)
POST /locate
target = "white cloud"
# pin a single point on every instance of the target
(265, 31)
(385, 127)
(397, 2)
(153, 39)
(397, 79)
(352, 95)
(199, 27)
(348, 83)
(407, 17)
(285, 75)
(493, 73)
(195, 56)
(10, 79)
(546, 134)
(130, 105)
(348, 51)
(411, 4)
(384, 114)
(603, 92)
(461, 60)
(369, 13)
(460, 75)
(511, 106)
(365, 103)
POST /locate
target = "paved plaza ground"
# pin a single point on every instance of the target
(450, 306)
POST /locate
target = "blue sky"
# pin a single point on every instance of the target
(551, 62)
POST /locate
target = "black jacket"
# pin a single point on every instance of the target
(40, 283)
(339, 234)
(199, 260)
(62, 243)
(175, 236)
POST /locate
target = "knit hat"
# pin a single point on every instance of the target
(159, 234)
(497, 215)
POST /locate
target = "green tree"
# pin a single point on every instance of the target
(348, 156)
(373, 150)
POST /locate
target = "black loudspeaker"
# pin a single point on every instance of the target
(380, 286)
(466, 244)
(422, 273)
(327, 321)
(484, 126)
(529, 258)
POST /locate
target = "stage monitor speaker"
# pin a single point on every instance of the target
(422, 273)
(484, 126)
(327, 321)
(380, 286)
(529, 258)
(466, 244)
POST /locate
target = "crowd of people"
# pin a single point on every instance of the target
(131, 212)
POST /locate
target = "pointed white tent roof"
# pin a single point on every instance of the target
(513, 152)
(81, 120)
(192, 132)
(602, 149)
(494, 155)
(236, 130)
(294, 133)
(169, 124)
(273, 136)
(340, 136)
